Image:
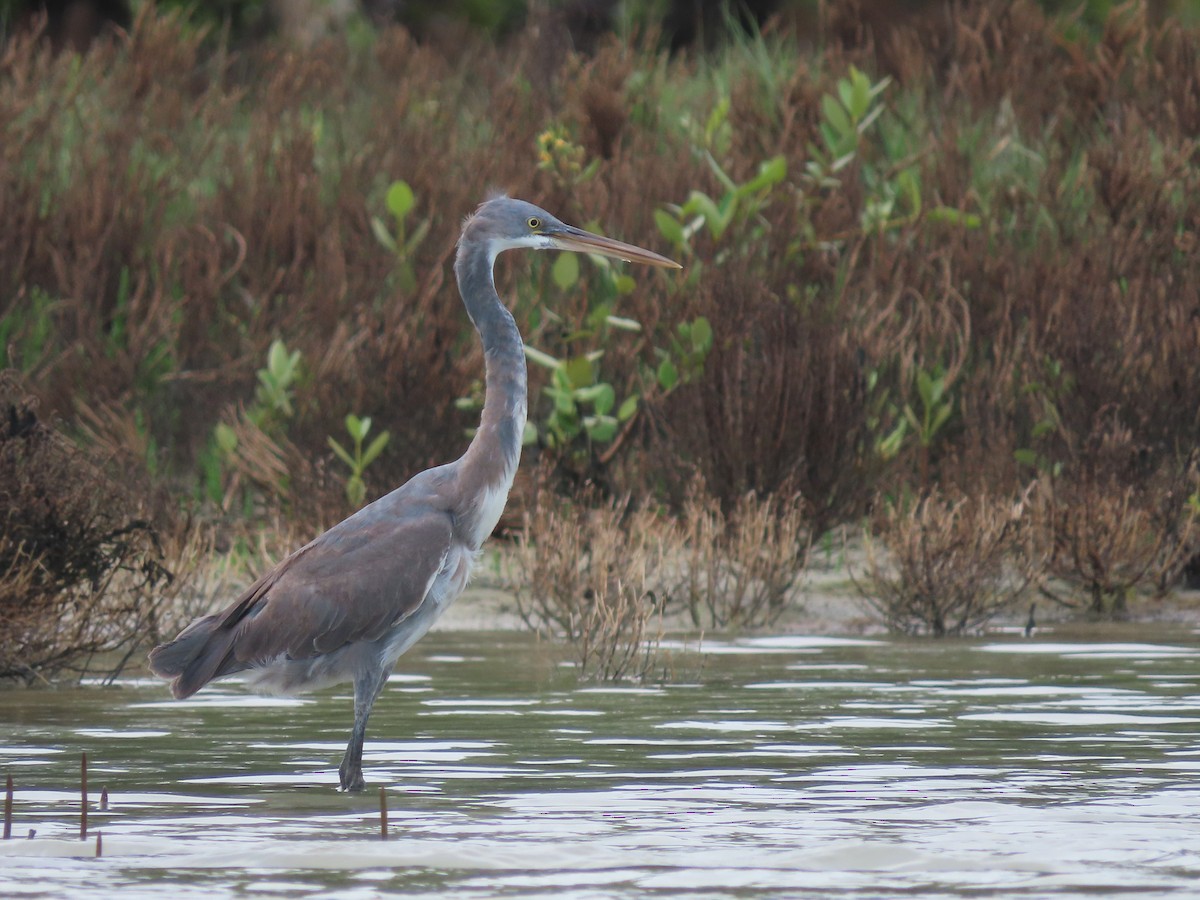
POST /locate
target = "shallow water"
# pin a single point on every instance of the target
(1060, 766)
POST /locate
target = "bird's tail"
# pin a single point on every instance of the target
(198, 655)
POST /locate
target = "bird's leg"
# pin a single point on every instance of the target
(367, 687)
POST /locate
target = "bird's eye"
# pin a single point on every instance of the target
(534, 223)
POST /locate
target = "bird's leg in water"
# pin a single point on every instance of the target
(367, 687)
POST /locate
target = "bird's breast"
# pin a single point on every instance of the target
(488, 508)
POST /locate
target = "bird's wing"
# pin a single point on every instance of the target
(350, 584)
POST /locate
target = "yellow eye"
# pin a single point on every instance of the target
(534, 223)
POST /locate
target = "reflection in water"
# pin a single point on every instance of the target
(795, 765)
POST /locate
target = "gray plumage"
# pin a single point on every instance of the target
(345, 606)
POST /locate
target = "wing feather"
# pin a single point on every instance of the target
(350, 584)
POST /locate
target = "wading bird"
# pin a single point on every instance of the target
(345, 606)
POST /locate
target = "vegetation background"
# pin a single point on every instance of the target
(941, 291)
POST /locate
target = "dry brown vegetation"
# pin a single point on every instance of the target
(952, 563)
(610, 578)
(598, 577)
(1106, 535)
(83, 570)
(1016, 222)
(738, 571)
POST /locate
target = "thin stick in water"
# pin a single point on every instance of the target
(99, 844)
(8, 791)
(104, 799)
(383, 823)
(83, 797)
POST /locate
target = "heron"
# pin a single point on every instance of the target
(346, 605)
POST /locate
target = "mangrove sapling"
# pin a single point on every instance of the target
(399, 239)
(358, 459)
(251, 446)
(937, 406)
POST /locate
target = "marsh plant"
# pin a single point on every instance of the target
(1106, 541)
(610, 578)
(594, 576)
(947, 563)
(739, 571)
(358, 457)
(249, 450)
(85, 568)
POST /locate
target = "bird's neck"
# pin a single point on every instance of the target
(490, 463)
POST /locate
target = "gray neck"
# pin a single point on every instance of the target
(491, 461)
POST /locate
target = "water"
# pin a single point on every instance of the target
(779, 767)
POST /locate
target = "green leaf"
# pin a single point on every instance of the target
(542, 359)
(880, 86)
(529, 435)
(716, 118)
(598, 315)
(277, 358)
(844, 160)
(560, 382)
(668, 375)
(930, 389)
(375, 448)
(623, 323)
(226, 438)
(669, 227)
(860, 94)
(845, 92)
(1042, 428)
(400, 199)
(943, 413)
(890, 445)
(628, 408)
(624, 284)
(770, 173)
(589, 393)
(601, 429)
(383, 235)
(726, 181)
(565, 270)
(572, 336)
(910, 189)
(717, 217)
(564, 404)
(418, 234)
(836, 116)
(1026, 457)
(580, 372)
(702, 335)
(284, 367)
(604, 400)
(951, 216)
(342, 453)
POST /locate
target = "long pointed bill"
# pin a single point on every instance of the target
(571, 238)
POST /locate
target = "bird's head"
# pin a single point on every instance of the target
(503, 223)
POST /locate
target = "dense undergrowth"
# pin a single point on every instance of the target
(962, 256)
